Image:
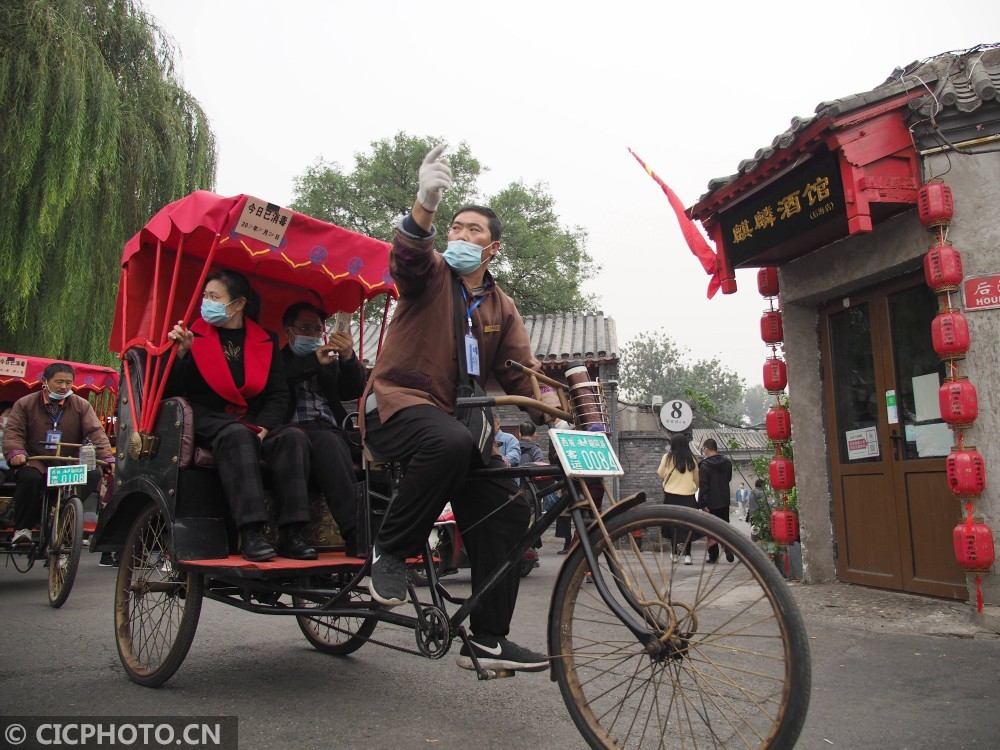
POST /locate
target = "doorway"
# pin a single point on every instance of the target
(893, 511)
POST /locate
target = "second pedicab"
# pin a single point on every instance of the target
(59, 539)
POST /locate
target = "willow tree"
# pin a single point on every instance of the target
(96, 135)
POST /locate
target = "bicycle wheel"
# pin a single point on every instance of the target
(336, 635)
(729, 663)
(156, 607)
(65, 545)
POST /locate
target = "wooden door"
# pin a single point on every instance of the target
(894, 513)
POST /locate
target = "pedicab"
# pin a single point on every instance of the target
(646, 653)
(63, 530)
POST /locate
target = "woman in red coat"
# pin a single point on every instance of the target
(230, 370)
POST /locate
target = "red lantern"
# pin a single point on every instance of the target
(958, 402)
(973, 546)
(950, 334)
(775, 375)
(935, 204)
(782, 473)
(784, 526)
(767, 281)
(778, 423)
(943, 269)
(770, 327)
(966, 471)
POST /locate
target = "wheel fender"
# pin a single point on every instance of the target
(116, 519)
(618, 508)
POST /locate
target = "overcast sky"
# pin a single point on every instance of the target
(555, 92)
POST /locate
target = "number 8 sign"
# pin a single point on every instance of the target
(676, 415)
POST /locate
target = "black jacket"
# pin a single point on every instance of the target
(530, 452)
(715, 473)
(339, 380)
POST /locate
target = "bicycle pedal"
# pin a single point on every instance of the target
(493, 674)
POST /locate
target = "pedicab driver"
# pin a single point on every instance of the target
(57, 415)
(409, 403)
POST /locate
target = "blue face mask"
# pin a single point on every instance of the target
(57, 396)
(304, 345)
(464, 257)
(215, 312)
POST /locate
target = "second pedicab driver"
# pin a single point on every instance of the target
(410, 400)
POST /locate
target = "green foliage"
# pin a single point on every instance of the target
(541, 264)
(756, 401)
(96, 135)
(653, 364)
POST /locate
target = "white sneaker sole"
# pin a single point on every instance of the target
(488, 662)
(387, 601)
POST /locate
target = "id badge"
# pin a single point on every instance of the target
(51, 438)
(472, 354)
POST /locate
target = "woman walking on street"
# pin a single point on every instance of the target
(679, 472)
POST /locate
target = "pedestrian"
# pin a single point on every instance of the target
(507, 444)
(679, 472)
(742, 500)
(716, 471)
(409, 406)
(530, 452)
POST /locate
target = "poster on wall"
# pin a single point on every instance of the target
(862, 443)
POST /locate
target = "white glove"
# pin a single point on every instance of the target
(435, 178)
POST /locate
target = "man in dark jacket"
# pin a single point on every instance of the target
(715, 472)
(410, 400)
(530, 452)
(320, 375)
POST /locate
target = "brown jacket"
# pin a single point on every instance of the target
(418, 362)
(30, 421)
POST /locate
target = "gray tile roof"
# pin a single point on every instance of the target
(555, 339)
(960, 80)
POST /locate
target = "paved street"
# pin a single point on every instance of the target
(889, 671)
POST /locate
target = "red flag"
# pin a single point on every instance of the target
(695, 240)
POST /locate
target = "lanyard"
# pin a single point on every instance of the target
(470, 310)
(54, 417)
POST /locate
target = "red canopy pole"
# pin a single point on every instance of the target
(148, 382)
(385, 321)
(152, 407)
(157, 375)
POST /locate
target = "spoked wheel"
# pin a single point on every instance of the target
(728, 661)
(64, 551)
(336, 635)
(156, 607)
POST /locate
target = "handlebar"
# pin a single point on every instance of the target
(524, 402)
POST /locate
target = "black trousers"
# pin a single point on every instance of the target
(28, 495)
(238, 451)
(713, 547)
(685, 501)
(332, 468)
(491, 516)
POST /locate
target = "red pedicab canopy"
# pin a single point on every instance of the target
(287, 257)
(20, 375)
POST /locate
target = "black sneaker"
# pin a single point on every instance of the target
(388, 578)
(107, 560)
(499, 653)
